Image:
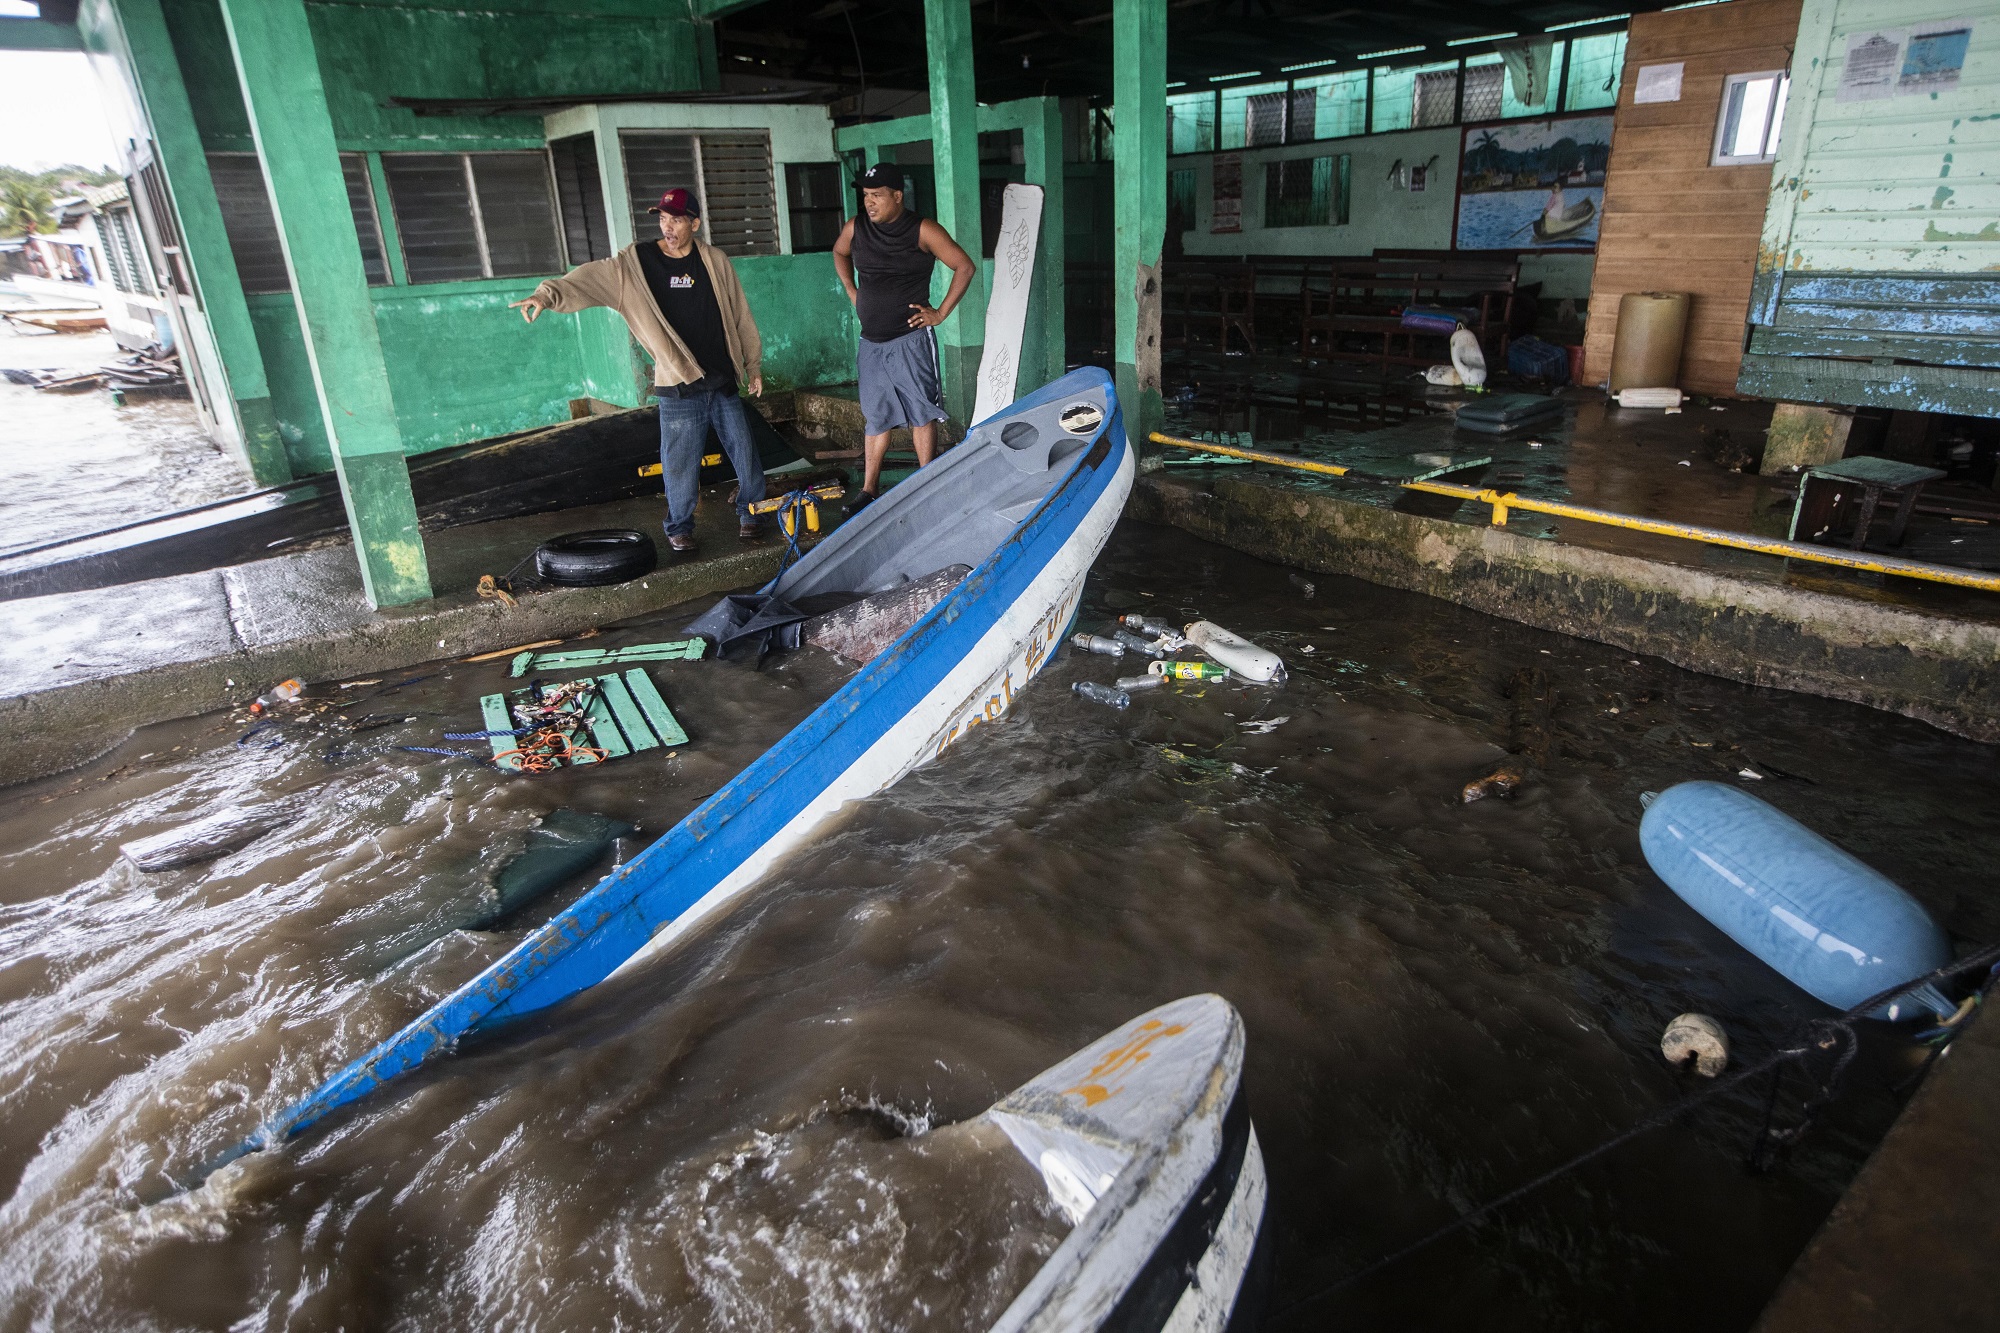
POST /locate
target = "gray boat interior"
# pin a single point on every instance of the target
(958, 510)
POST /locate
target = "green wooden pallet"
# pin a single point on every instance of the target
(626, 715)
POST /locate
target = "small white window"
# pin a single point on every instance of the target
(1753, 107)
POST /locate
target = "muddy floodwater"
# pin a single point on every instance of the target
(1442, 999)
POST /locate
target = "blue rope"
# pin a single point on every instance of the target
(794, 505)
(484, 735)
(435, 749)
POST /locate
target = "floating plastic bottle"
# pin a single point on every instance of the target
(1237, 653)
(1188, 671)
(1102, 694)
(1137, 644)
(282, 693)
(1152, 625)
(1131, 684)
(1162, 635)
(1093, 643)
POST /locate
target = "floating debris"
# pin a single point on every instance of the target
(1699, 1039)
(205, 839)
(1502, 782)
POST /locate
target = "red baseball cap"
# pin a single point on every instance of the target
(681, 203)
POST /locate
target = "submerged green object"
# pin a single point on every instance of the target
(566, 843)
(680, 650)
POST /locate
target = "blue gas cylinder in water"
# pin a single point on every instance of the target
(1830, 924)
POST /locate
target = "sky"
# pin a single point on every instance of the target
(50, 113)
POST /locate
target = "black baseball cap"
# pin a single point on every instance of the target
(881, 176)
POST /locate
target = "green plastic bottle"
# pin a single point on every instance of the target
(1189, 670)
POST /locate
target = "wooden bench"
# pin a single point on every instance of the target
(1328, 302)
(1368, 297)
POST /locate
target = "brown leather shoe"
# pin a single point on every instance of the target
(681, 545)
(749, 530)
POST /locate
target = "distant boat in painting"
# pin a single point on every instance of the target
(1557, 224)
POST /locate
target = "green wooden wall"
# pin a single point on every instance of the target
(1878, 275)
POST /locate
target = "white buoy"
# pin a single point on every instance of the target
(1237, 653)
(1699, 1036)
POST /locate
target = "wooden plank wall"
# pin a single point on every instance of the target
(1671, 221)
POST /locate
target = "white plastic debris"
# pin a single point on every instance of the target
(1647, 397)
(1466, 357)
(1445, 375)
(1700, 1037)
(1237, 653)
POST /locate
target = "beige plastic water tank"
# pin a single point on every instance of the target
(1646, 353)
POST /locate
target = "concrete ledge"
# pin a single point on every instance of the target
(79, 672)
(1909, 1248)
(1922, 664)
(833, 416)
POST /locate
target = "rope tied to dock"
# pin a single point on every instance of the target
(1833, 1038)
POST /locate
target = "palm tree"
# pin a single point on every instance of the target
(1484, 150)
(25, 208)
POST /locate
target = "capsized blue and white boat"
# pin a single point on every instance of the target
(1026, 501)
(1144, 1140)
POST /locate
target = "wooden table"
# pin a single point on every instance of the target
(1829, 491)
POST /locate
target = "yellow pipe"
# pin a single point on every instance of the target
(1502, 503)
(1255, 456)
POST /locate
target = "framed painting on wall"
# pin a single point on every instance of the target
(1532, 184)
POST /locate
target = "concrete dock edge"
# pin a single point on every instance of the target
(1934, 667)
(68, 724)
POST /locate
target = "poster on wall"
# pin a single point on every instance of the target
(1532, 185)
(1226, 207)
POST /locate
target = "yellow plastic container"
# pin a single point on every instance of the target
(1647, 351)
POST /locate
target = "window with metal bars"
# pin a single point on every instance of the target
(730, 173)
(1307, 191)
(1485, 86)
(253, 228)
(463, 216)
(816, 204)
(580, 198)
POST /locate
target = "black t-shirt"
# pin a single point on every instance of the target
(687, 298)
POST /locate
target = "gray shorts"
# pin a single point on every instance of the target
(899, 382)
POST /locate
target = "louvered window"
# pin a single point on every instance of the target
(463, 216)
(580, 198)
(253, 228)
(729, 171)
(116, 225)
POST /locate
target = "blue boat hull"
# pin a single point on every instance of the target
(956, 668)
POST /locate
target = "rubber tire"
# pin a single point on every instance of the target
(596, 558)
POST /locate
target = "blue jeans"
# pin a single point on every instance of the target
(684, 424)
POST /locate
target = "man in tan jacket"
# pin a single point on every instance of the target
(682, 301)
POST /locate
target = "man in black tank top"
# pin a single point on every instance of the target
(893, 251)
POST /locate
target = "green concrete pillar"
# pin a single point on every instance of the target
(279, 69)
(155, 73)
(614, 368)
(955, 153)
(1139, 187)
(1044, 351)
